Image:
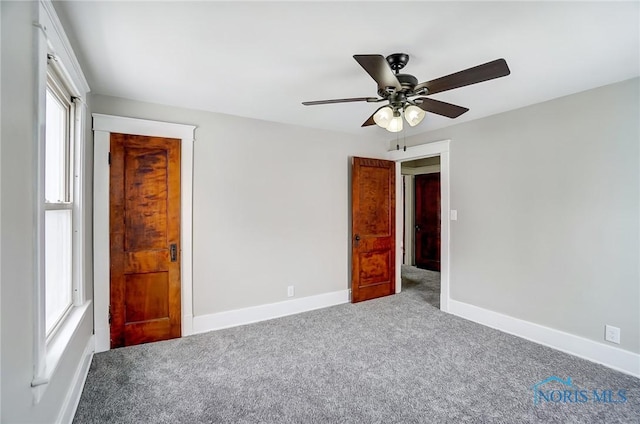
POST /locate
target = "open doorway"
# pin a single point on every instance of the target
(421, 245)
(426, 150)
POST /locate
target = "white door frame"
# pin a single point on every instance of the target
(103, 126)
(439, 148)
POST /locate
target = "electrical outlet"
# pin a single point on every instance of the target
(290, 291)
(612, 334)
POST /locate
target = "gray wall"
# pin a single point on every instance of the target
(271, 205)
(17, 217)
(548, 216)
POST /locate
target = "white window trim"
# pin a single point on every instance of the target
(103, 126)
(52, 42)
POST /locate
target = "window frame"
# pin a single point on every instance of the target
(63, 95)
(49, 347)
(59, 91)
(53, 51)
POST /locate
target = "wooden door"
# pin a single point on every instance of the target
(427, 222)
(145, 239)
(373, 229)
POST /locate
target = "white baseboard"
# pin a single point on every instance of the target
(218, 321)
(187, 325)
(103, 338)
(72, 399)
(610, 356)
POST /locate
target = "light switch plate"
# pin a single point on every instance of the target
(612, 334)
(454, 215)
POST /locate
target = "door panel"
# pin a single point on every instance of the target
(373, 229)
(146, 296)
(144, 224)
(427, 222)
(145, 176)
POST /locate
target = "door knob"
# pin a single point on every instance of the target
(417, 228)
(357, 239)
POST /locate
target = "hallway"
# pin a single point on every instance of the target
(427, 283)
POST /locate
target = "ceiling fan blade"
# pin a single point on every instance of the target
(352, 99)
(370, 121)
(487, 71)
(440, 108)
(376, 66)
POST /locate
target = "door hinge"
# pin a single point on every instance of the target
(109, 314)
(109, 158)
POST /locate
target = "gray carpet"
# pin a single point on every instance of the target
(424, 283)
(390, 360)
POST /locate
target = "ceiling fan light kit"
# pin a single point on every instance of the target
(400, 90)
(396, 122)
(414, 115)
(391, 120)
(383, 116)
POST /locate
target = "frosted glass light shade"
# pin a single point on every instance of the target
(396, 124)
(383, 116)
(414, 115)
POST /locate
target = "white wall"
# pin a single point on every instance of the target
(548, 206)
(17, 216)
(271, 205)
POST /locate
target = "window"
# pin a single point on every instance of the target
(59, 303)
(58, 206)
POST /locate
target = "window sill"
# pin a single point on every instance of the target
(57, 347)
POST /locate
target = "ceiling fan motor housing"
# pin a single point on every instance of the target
(396, 62)
(407, 81)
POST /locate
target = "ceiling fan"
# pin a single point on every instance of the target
(400, 90)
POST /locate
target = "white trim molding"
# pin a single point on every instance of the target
(60, 47)
(103, 126)
(610, 356)
(234, 318)
(71, 401)
(421, 170)
(438, 148)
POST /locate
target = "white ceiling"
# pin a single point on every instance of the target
(262, 59)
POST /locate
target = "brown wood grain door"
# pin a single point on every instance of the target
(427, 229)
(373, 229)
(145, 239)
